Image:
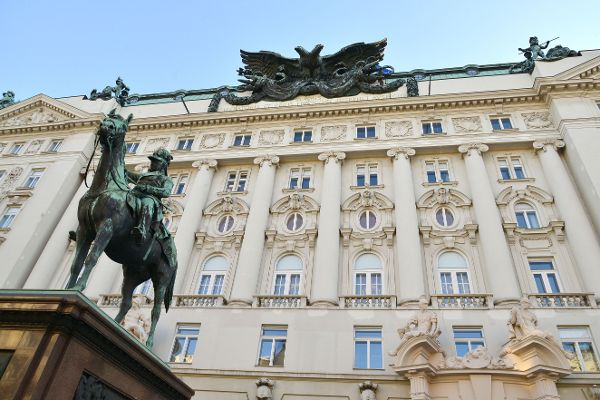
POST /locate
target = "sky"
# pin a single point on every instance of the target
(66, 48)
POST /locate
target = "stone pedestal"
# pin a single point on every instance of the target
(59, 345)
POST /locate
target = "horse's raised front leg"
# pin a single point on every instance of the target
(103, 235)
(129, 284)
(82, 246)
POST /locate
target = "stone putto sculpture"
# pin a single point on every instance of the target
(523, 323)
(422, 323)
(135, 321)
(535, 51)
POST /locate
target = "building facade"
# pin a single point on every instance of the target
(307, 231)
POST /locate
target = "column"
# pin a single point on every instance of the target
(191, 218)
(581, 235)
(498, 265)
(409, 255)
(251, 251)
(327, 250)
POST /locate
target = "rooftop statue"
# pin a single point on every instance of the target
(120, 91)
(8, 99)
(126, 223)
(422, 323)
(535, 51)
(271, 76)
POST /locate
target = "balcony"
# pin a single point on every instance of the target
(462, 301)
(198, 300)
(368, 301)
(279, 301)
(562, 300)
(114, 300)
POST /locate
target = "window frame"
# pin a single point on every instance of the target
(130, 145)
(468, 340)
(32, 181)
(456, 285)
(526, 215)
(437, 171)
(302, 133)
(187, 342)
(510, 168)
(16, 148)
(576, 340)
(273, 339)
(368, 212)
(369, 341)
(501, 122)
(432, 127)
(178, 180)
(445, 210)
(368, 132)
(5, 220)
(287, 274)
(212, 275)
(245, 140)
(235, 181)
(188, 142)
(54, 146)
(368, 174)
(369, 274)
(301, 175)
(546, 283)
(227, 217)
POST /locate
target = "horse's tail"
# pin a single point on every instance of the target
(169, 291)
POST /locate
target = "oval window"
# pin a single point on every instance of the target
(367, 219)
(294, 222)
(444, 217)
(225, 224)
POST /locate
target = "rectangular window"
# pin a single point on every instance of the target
(367, 174)
(287, 284)
(236, 181)
(432, 128)
(180, 184)
(368, 348)
(365, 132)
(33, 178)
(54, 146)
(184, 345)
(437, 171)
(8, 217)
(16, 148)
(501, 123)
(511, 168)
(302, 136)
(577, 340)
(300, 178)
(131, 147)
(545, 276)
(2, 173)
(272, 346)
(242, 140)
(467, 339)
(185, 144)
(211, 283)
(452, 282)
(368, 283)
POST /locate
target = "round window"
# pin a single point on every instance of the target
(367, 219)
(225, 224)
(444, 217)
(294, 222)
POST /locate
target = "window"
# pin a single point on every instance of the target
(302, 136)
(300, 178)
(236, 181)
(454, 277)
(294, 222)
(180, 183)
(444, 217)
(526, 216)
(365, 132)
(54, 146)
(437, 171)
(544, 276)
(367, 174)
(16, 148)
(578, 341)
(185, 144)
(288, 273)
(368, 348)
(467, 339)
(143, 288)
(368, 276)
(184, 345)
(367, 219)
(8, 217)
(511, 168)
(33, 178)
(131, 147)
(272, 346)
(2, 173)
(225, 224)
(242, 140)
(432, 128)
(213, 275)
(501, 123)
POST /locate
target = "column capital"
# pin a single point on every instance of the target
(336, 156)
(545, 144)
(269, 160)
(207, 162)
(469, 148)
(397, 152)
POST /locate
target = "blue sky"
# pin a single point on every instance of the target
(64, 48)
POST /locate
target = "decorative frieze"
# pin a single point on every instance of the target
(10, 182)
(537, 120)
(333, 133)
(34, 147)
(156, 143)
(271, 137)
(212, 140)
(394, 129)
(467, 124)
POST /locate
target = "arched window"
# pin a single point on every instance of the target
(367, 219)
(294, 222)
(288, 274)
(454, 276)
(526, 216)
(213, 275)
(444, 217)
(225, 224)
(368, 275)
(143, 288)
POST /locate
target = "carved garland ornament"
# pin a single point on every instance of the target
(395, 129)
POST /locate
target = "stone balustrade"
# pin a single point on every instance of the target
(198, 300)
(462, 301)
(280, 301)
(562, 300)
(368, 301)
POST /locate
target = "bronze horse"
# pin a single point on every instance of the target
(105, 224)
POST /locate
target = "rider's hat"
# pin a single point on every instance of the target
(161, 155)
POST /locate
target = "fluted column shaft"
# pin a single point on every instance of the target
(251, 251)
(327, 250)
(410, 276)
(191, 218)
(498, 263)
(579, 230)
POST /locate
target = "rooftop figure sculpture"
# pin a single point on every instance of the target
(421, 323)
(120, 91)
(8, 99)
(535, 51)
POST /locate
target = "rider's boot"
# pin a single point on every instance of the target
(140, 232)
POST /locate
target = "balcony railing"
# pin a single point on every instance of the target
(368, 301)
(562, 300)
(114, 300)
(198, 300)
(279, 301)
(461, 301)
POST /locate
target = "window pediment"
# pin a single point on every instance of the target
(511, 194)
(442, 195)
(367, 198)
(227, 204)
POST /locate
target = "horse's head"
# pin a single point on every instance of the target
(112, 127)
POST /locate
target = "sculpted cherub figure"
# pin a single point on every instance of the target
(422, 323)
(135, 321)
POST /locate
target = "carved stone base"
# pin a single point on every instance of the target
(61, 346)
(421, 353)
(534, 353)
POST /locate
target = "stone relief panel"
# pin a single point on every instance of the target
(467, 124)
(537, 120)
(39, 116)
(34, 147)
(271, 137)
(10, 182)
(212, 140)
(156, 143)
(333, 132)
(395, 129)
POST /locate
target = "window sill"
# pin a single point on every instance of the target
(269, 366)
(177, 364)
(505, 130)
(434, 134)
(449, 183)
(367, 187)
(178, 195)
(233, 146)
(5, 230)
(368, 369)
(290, 190)
(302, 142)
(51, 152)
(228, 193)
(516, 180)
(181, 151)
(367, 138)
(11, 155)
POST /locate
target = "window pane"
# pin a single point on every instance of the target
(376, 355)
(187, 330)
(451, 259)
(360, 133)
(373, 179)
(437, 127)
(589, 360)
(570, 347)
(279, 355)
(265, 352)
(539, 283)
(297, 136)
(293, 183)
(468, 333)
(573, 333)
(463, 283)
(506, 123)
(368, 334)
(279, 285)
(294, 284)
(553, 283)
(376, 284)
(533, 221)
(521, 223)
(289, 262)
(218, 263)
(306, 183)
(371, 131)
(519, 173)
(204, 283)
(446, 283)
(444, 175)
(218, 285)
(360, 285)
(427, 128)
(177, 352)
(431, 176)
(505, 173)
(462, 349)
(540, 265)
(191, 349)
(308, 136)
(360, 180)
(496, 124)
(368, 261)
(360, 355)
(274, 332)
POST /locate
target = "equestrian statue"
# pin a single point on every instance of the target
(126, 223)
